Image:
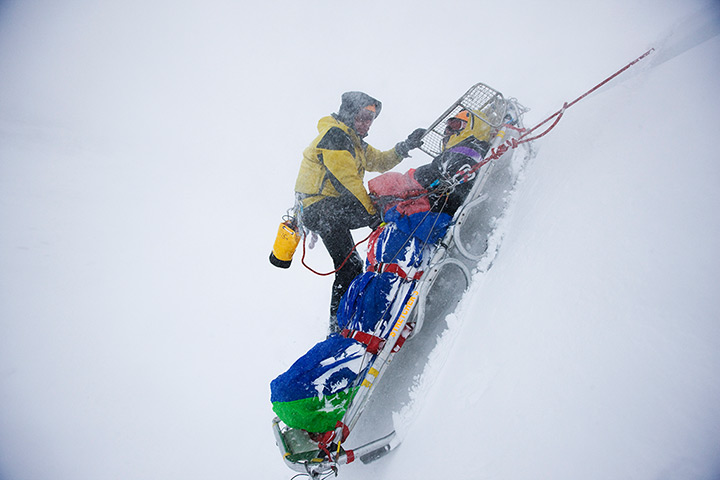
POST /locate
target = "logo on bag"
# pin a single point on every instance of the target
(405, 312)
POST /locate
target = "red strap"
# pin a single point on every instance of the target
(403, 336)
(373, 343)
(345, 430)
(371, 244)
(350, 455)
(324, 448)
(393, 268)
(327, 439)
(324, 439)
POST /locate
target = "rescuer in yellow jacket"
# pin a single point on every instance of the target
(331, 188)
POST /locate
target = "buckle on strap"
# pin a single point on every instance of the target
(374, 344)
(393, 268)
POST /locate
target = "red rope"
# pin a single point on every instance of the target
(514, 143)
(341, 265)
(599, 85)
(511, 143)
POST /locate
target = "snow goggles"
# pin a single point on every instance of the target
(455, 124)
(365, 115)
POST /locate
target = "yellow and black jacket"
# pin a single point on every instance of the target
(335, 163)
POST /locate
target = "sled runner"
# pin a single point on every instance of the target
(438, 218)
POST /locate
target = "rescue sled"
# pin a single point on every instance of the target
(393, 301)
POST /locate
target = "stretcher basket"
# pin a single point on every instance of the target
(446, 275)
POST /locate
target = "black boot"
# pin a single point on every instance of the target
(333, 325)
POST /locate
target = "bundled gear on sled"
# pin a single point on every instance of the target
(436, 219)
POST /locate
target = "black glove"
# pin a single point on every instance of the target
(375, 221)
(414, 140)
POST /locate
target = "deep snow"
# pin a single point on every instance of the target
(147, 151)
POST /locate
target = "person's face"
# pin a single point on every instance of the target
(453, 127)
(363, 120)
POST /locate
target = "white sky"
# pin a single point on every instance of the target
(148, 149)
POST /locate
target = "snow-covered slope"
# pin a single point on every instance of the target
(591, 348)
(147, 152)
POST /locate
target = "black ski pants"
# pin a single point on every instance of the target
(332, 219)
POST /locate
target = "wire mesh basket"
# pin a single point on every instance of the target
(479, 99)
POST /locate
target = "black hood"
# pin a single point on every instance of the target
(352, 103)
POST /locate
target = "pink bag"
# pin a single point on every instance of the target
(399, 190)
